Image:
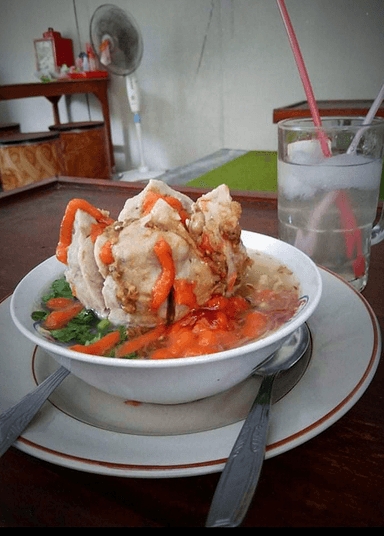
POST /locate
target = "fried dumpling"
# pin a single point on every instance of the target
(82, 272)
(214, 225)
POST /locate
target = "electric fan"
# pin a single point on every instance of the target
(117, 41)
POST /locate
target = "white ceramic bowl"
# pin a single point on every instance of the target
(170, 381)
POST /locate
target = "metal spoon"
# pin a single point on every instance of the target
(239, 478)
(14, 420)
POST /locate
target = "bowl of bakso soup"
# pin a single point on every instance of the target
(168, 303)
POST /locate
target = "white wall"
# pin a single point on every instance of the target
(212, 70)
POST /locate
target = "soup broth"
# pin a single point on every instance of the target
(267, 299)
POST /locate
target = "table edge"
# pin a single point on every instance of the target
(61, 182)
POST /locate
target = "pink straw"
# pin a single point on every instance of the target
(346, 212)
(304, 76)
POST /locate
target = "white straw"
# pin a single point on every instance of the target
(367, 121)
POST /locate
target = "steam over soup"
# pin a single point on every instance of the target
(170, 278)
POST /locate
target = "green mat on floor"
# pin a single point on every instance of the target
(256, 170)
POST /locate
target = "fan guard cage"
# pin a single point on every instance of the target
(126, 43)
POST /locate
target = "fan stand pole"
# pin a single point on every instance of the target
(143, 173)
(142, 168)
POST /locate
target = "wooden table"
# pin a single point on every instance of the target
(326, 108)
(335, 479)
(53, 91)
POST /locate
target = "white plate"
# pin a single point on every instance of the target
(345, 354)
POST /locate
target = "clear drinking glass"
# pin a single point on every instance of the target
(328, 191)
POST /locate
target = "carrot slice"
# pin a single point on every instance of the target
(55, 304)
(166, 279)
(208, 339)
(97, 229)
(66, 226)
(181, 342)
(161, 353)
(255, 325)
(59, 319)
(101, 347)
(235, 306)
(184, 292)
(139, 342)
(150, 200)
(178, 345)
(205, 244)
(105, 254)
(152, 197)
